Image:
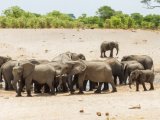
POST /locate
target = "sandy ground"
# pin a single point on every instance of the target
(48, 43)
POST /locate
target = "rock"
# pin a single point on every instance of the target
(98, 113)
(81, 111)
(135, 107)
(107, 114)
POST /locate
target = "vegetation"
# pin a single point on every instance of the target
(106, 17)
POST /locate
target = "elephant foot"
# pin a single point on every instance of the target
(37, 92)
(90, 89)
(114, 90)
(29, 95)
(151, 89)
(97, 91)
(18, 95)
(80, 92)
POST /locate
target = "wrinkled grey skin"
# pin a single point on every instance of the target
(94, 71)
(106, 45)
(140, 77)
(129, 67)
(3, 60)
(6, 72)
(26, 72)
(145, 60)
(69, 56)
(117, 70)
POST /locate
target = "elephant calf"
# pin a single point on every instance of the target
(140, 77)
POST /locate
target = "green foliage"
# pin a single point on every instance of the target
(105, 12)
(15, 17)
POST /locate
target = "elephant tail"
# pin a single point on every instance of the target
(153, 68)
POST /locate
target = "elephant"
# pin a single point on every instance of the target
(145, 60)
(87, 70)
(117, 71)
(25, 72)
(140, 77)
(3, 60)
(108, 45)
(6, 71)
(67, 56)
(130, 66)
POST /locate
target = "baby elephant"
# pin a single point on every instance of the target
(140, 77)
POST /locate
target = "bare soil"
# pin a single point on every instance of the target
(48, 43)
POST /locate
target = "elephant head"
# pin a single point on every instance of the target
(134, 76)
(21, 71)
(4, 59)
(74, 67)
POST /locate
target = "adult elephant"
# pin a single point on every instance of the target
(145, 60)
(6, 72)
(106, 45)
(69, 56)
(94, 71)
(25, 72)
(117, 71)
(3, 60)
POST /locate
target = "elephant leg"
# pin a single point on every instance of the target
(37, 87)
(51, 85)
(151, 86)
(115, 80)
(104, 54)
(28, 86)
(6, 85)
(21, 85)
(144, 87)
(111, 53)
(85, 84)
(137, 86)
(80, 83)
(114, 89)
(99, 88)
(106, 87)
(101, 54)
(91, 85)
(46, 88)
(121, 80)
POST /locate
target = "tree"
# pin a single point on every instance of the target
(151, 4)
(138, 18)
(14, 11)
(105, 12)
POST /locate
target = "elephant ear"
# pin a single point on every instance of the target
(28, 68)
(77, 67)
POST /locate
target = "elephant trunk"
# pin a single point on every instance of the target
(117, 48)
(14, 84)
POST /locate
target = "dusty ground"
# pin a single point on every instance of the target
(47, 43)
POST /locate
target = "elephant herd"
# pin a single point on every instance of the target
(69, 70)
